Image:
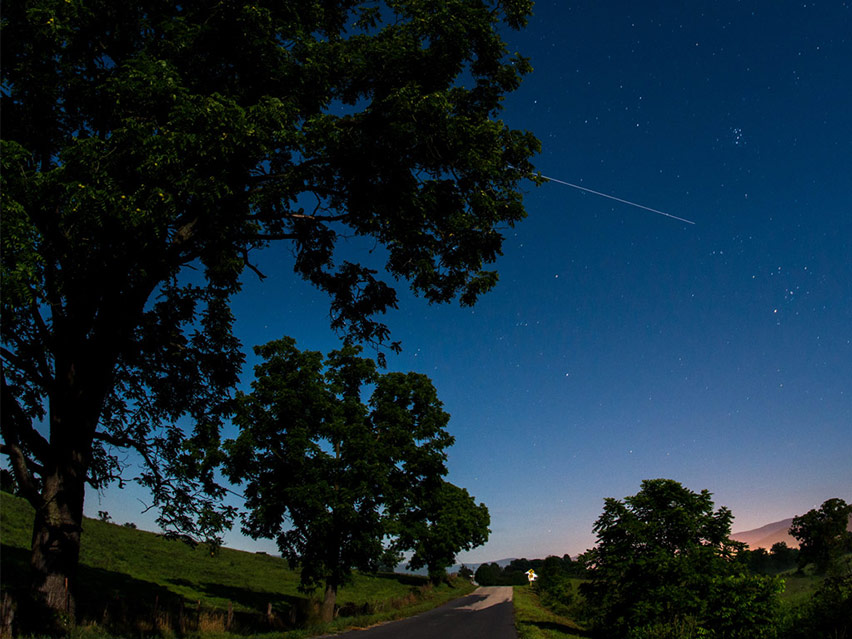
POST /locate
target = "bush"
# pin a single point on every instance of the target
(554, 586)
(828, 615)
(664, 567)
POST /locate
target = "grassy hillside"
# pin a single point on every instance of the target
(135, 579)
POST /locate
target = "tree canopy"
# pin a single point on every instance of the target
(325, 471)
(823, 533)
(437, 520)
(149, 149)
(664, 563)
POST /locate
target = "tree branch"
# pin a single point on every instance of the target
(12, 421)
(23, 474)
(270, 236)
(261, 276)
(319, 218)
(41, 377)
(31, 465)
(16, 426)
(41, 325)
(127, 442)
(300, 216)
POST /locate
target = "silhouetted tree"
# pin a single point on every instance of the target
(823, 534)
(664, 561)
(488, 574)
(322, 468)
(782, 556)
(437, 520)
(150, 148)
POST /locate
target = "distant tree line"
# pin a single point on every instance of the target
(779, 558)
(515, 572)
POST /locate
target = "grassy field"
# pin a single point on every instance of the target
(798, 588)
(141, 583)
(534, 621)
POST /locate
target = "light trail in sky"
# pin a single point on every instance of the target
(617, 199)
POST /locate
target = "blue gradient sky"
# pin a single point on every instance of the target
(622, 345)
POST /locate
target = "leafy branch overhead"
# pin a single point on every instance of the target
(150, 149)
(139, 140)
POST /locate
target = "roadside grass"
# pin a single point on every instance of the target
(534, 621)
(213, 626)
(137, 583)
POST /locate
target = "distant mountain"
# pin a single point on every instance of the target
(769, 534)
(766, 536)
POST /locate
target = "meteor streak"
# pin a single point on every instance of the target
(617, 199)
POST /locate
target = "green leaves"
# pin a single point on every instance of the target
(436, 523)
(328, 472)
(150, 148)
(664, 561)
(823, 534)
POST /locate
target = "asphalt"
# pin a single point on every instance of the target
(484, 614)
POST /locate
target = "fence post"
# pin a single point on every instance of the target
(230, 616)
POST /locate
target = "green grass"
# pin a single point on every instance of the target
(127, 574)
(534, 621)
(798, 588)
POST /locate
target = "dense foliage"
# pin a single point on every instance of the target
(664, 566)
(778, 559)
(150, 148)
(823, 534)
(515, 572)
(339, 481)
(827, 613)
(435, 521)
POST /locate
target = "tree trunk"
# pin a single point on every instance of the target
(437, 575)
(327, 609)
(56, 542)
(57, 526)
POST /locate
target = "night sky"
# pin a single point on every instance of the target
(622, 345)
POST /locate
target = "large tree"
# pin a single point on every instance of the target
(664, 564)
(150, 147)
(823, 534)
(436, 520)
(321, 467)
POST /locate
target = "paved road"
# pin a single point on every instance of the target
(484, 614)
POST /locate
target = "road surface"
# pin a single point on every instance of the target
(484, 614)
